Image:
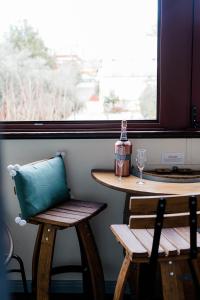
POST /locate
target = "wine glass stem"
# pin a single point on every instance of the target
(140, 175)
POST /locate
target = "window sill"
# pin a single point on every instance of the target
(100, 134)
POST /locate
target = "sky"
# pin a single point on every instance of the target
(92, 28)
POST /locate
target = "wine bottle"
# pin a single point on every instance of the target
(125, 146)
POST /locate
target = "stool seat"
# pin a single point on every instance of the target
(69, 213)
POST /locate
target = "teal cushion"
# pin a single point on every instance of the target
(40, 186)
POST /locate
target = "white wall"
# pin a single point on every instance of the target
(81, 157)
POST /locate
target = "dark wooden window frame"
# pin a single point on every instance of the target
(195, 86)
(177, 89)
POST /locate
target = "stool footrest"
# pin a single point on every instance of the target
(67, 269)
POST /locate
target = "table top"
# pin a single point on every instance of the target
(129, 185)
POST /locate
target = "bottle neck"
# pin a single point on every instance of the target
(123, 136)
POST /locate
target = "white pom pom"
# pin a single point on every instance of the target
(16, 167)
(17, 220)
(22, 223)
(10, 167)
(13, 173)
(11, 170)
(62, 154)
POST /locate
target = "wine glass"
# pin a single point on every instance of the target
(140, 161)
(120, 160)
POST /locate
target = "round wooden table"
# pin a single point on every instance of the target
(130, 187)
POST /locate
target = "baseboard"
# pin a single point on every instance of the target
(59, 286)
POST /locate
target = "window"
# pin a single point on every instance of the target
(85, 65)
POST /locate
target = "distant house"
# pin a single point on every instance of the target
(62, 59)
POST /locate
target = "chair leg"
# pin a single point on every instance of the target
(36, 257)
(122, 279)
(195, 270)
(133, 280)
(172, 286)
(93, 259)
(196, 266)
(45, 261)
(22, 271)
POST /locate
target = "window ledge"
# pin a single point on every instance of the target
(100, 134)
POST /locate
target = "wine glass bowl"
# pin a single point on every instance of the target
(140, 161)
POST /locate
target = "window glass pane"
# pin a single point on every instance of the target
(78, 60)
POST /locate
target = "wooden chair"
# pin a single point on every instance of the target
(161, 238)
(70, 213)
(10, 255)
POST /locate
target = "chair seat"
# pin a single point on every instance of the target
(69, 213)
(138, 242)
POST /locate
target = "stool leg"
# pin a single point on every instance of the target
(35, 258)
(122, 279)
(93, 259)
(45, 261)
(86, 272)
(171, 284)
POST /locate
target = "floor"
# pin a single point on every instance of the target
(19, 296)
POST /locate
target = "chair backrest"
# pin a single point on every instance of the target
(176, 209)
(166, 211)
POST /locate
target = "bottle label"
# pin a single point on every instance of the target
(121, 157)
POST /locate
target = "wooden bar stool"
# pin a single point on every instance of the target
(161, 237)
(71, 213)
(44, 197)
